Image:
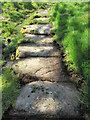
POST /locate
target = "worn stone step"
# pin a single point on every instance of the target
(41, 68)
(44, 29)
(42, 12)
(42, 50)
(39, 39)
(47, 98)
(42, 19)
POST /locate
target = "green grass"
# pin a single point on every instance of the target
(7, 52)
(2, 63)
(8, 28)
(14, 14)
(10, 88)
(71, 30)
(39, 22)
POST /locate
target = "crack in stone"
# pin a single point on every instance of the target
(46, 68)
(48, 71)
(38, 70)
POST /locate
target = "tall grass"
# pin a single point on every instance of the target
(71, 28)
(10, 88)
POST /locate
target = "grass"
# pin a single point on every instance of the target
(39, 22)
(10, 88)
(14, 14)
(71, 30)
(11, 48)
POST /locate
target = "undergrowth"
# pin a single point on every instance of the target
(10, 88)
(71, 30)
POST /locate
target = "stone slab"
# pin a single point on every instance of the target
(44, 29)
(39, 39)
(48, 98)
(41, 68)
(42, 19)
(42, 12)
(42, 50)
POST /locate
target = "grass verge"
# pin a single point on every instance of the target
(71, 32)
(10, 88)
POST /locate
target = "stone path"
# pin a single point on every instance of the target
(48, 92)
(43, 29)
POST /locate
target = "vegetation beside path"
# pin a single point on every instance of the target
(71, 32)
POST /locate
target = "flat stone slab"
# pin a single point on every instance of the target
(44, 29)
(41, 68)
(42, 12)
(39, 39)
(48, 98)
(42, 19)
(29, 50)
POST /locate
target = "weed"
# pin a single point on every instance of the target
(10, 88)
